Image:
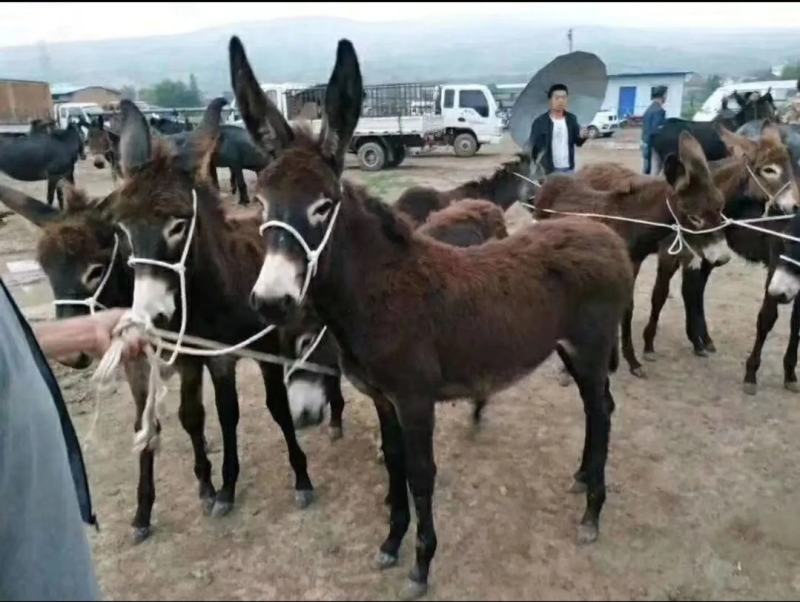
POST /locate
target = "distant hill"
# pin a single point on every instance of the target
(499, 49)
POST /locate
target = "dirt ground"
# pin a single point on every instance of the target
(703, 495)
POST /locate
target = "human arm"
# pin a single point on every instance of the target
(581, 134)
(84, 334)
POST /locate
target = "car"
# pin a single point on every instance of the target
(604, 124)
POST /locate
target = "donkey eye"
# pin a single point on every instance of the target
(303, 343)
(93, 274)
(177, 228)
(323, 208)
(769, 171)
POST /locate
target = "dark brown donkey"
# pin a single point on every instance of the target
(755, 179)
(610, 189)
(504, 187)
(154, 213)
(75, 251)
(418, 321)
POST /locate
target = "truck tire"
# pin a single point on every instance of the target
(372, 156)
(593, 132)
(398, 156)
(465, 145)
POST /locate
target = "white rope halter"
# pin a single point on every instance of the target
(770, 197)
(288, 370)
(92, 302)
(312, 255)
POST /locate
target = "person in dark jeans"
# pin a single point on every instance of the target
(44, 551)
(556, 133)
(653, 118)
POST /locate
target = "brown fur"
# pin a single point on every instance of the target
(470, 220)
(418, 202)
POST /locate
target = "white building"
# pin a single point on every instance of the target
(629, 93)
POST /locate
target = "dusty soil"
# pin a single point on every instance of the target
(704, 487)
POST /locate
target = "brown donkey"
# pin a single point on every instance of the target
(418, 321)
(503, 188)
(156, 214)
(610, 189)
(756, 178)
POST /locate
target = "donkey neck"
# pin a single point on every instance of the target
(495, 188)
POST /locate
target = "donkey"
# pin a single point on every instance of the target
(48, 157)
(466, 223)
(418, 321)
(503, 188)
(757, 179)
(104, 147)
(166, 126)
(687, 194)
(163, 198)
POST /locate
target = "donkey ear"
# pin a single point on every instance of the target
(135, 146)
(737, 145)
(343, 98)
(74, 199)
(213, 114)
(32, 210)
(675, 172)
(691, 153)
(264, 121)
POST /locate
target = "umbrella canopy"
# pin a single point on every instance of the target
(585, 76)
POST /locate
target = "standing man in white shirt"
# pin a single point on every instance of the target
(556, 133)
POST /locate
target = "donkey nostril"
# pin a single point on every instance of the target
(286, 302)
(255, 302)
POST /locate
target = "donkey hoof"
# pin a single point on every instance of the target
(303, 498)
(207, 504)
(750, 388)
(649, 356)
(564, 379)
(387, 501)
(792, 386)
(587, 533)
(577, 487)
(701, 352)
(413, 590)
(638, 372)
(141, 533)
(385, 561)
(336, 433)
(710, 347)
(221, 509)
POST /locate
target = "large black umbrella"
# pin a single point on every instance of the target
(585, 76)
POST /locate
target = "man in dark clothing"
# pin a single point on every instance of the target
(653, 118)
(44, 552)
(556, 133)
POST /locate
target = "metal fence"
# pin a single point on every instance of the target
(385, 100)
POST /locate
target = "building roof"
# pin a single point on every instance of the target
(649, 73)
(59, 89)
(20, 81)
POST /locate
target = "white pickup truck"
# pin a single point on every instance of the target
(396, 117)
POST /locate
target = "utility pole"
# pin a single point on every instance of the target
(569, 38)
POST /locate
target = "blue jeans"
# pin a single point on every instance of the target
(647, 153)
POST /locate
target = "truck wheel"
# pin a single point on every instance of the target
(372, 156)
(465, 145)
(593, 132)
(399, 155)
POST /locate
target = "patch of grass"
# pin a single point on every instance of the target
(387, 185)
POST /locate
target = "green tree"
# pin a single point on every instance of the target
(173, 93)
(791, 71)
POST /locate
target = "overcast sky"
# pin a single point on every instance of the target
(30, 22)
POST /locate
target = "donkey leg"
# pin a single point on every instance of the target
(627, 342)
(242, 186)
(192, 415)
(395, 461)
(767, 316)
(213, 175)
(233, 181)
(278, 405)
(417, 421)
(790, 358)
(692, 292)
(579, 478)
(333, 391)
(137, 374)
(51, 189)
(705, 271)
(223, 376)
(667, 266)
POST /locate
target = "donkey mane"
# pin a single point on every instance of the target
(482, 187)
(393, 224)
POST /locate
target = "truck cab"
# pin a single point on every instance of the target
(67, 112)
(470, 108)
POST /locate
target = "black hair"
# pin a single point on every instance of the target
(658, 92)
(556, 88)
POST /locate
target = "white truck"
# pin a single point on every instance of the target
(396, 117)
